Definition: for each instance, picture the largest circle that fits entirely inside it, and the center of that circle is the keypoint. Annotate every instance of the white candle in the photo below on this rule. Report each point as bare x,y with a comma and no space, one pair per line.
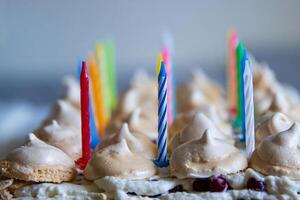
249,108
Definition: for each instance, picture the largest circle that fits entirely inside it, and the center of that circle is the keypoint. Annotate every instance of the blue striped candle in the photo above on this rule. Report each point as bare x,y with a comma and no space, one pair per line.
162,158
248,105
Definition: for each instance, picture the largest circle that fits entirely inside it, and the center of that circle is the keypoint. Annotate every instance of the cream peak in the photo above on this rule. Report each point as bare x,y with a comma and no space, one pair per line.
127,135
278,121
207,137
288,138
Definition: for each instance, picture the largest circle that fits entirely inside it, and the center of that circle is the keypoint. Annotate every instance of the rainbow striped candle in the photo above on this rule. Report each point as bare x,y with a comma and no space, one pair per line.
162,158
248,121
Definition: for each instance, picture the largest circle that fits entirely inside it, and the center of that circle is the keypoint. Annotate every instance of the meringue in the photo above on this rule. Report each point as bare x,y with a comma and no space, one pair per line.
137,107
205,157
65,114
278,154
38,161
66,138
200,91
271,123
137,143
72,91
195,129
140,121
182,119
141,93
118,160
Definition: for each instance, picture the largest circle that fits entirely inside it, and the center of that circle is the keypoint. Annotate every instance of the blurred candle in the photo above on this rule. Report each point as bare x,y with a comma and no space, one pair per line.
85,118
101,63
97,94
158,65
239,78
111,72
168,43
232,74
167,60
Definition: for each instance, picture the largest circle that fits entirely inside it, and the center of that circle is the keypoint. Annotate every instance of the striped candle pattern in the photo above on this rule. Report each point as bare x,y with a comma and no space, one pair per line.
162,159
248,107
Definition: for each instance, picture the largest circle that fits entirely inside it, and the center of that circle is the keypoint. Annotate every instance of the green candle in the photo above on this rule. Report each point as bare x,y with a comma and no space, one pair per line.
111,73
239,57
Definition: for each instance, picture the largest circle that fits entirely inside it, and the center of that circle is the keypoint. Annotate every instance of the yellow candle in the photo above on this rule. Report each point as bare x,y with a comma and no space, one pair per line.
97,93
159,60
102,66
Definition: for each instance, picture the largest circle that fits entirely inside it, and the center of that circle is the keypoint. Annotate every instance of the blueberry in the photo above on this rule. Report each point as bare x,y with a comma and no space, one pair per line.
219,184
256,185
132,193
155,196
202,184
177,188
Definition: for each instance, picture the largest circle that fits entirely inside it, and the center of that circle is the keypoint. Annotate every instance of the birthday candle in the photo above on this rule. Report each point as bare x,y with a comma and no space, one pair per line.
111,70
94,132
239,78
166,58
85,118
231,74
97,94
168,43
248,107
158,65
101,62
162,159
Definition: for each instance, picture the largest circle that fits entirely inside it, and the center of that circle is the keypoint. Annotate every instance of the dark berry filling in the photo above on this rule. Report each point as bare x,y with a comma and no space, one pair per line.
177,188
201,184
256,185
219,184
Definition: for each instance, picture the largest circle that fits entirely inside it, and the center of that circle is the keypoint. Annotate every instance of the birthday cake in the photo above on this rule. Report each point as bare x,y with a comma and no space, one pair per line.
204,156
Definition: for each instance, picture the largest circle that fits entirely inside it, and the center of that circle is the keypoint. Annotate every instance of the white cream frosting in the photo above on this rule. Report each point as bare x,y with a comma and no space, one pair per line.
118,160
137,143
66,138
72,90
279,154
195,129
206,156
271,123
36,153
112,184
59,191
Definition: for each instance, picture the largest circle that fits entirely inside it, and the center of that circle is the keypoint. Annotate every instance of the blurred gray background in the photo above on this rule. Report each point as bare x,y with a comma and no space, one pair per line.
40,42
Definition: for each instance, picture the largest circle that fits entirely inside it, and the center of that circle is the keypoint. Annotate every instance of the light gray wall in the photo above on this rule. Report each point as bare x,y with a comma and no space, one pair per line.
41,39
